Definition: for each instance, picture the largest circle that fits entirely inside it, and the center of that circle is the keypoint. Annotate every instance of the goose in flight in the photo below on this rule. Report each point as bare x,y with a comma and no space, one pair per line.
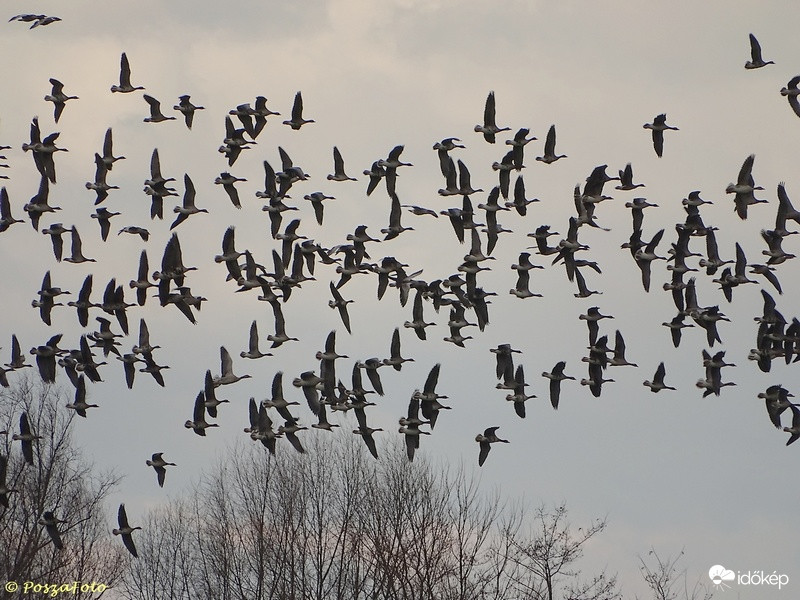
226,366
156,116
6,219
125,530
791,92
252,349
366,431
658,380
36,20
756,62
50,523
108,154
26,437
297,120
658,127
744,188
76,255
198,422
338,168
188,208
125,77
159,464
489,129
556,376
550,155
485,440
186,108
395,359
58,98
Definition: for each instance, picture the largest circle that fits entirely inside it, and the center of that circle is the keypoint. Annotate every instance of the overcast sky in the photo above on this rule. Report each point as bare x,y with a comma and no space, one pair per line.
671,471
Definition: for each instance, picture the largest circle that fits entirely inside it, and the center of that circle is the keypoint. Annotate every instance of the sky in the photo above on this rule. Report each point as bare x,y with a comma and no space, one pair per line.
672,471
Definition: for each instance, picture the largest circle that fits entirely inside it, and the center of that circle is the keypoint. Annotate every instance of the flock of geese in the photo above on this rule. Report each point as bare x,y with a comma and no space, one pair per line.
296,259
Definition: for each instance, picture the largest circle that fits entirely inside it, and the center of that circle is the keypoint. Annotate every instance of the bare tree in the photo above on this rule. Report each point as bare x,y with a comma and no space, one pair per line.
667,581
333,523
546,558
60,481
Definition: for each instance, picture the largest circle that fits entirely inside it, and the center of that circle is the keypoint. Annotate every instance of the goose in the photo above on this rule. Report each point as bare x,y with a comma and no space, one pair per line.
456,338
129,361
261,427
626,180
756,62
505,360
330,354
322,421
105,338
38,204
55,231
775,251
46,359
519,396
520,202
125,530
418,324
338,168
794,430
583,291
371,365
522,289
489,129
226,366
142,283
675,326
36,20
198,423
791,92
658,380
135,230
485,440
188,208
550,155
50,522
125,86
58,98
645,256
187,109
26,437
308,382
4,489
768,273
108,157
366,432
395,359
80,405
153,368
253,352
340,304
375,174
277,400
713,260
290,429
395,227
556,376
316,199
619,360
658,126
17,358
77,256
100,186
227,181
393,160
6,219
410,428
744,187
776,398
245,114
159,464
104,216
297,120
156,116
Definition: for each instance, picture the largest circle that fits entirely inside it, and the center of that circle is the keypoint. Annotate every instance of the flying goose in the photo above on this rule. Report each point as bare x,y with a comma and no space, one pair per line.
125,77
187,109
297,120
17,358
489,129
159,464
80,405
58,98
77,256
658,126
26,437
366,432
37,20
485,440
6,219
188,208
626,179
395,359
338,168
50,523
156,116
198,422
756,61
658,380
226,366
125,530
550,155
